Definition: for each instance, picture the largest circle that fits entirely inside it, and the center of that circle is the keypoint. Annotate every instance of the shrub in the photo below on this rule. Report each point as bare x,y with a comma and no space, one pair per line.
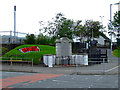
43,39
116,52
30,39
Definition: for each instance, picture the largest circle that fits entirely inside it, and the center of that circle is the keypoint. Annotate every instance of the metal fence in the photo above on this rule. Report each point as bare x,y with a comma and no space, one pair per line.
19,64
78,61
7,37
65,66
82,66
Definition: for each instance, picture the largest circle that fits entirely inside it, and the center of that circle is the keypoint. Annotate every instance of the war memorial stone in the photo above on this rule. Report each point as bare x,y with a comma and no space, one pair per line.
63,50
64,55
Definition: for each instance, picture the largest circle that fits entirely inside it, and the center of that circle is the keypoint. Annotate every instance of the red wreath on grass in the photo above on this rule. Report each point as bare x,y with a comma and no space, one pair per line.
29,49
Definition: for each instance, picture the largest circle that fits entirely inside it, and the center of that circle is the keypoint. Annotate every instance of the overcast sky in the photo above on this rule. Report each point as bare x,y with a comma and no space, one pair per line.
30,12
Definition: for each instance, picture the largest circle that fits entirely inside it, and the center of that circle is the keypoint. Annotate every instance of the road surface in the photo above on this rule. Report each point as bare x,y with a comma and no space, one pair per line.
38,80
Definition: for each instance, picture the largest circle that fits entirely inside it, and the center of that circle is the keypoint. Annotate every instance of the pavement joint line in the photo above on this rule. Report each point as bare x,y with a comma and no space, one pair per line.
112,69
97,75
59,81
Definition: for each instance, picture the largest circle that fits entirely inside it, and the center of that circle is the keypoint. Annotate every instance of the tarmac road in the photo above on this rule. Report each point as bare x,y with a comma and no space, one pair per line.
37,80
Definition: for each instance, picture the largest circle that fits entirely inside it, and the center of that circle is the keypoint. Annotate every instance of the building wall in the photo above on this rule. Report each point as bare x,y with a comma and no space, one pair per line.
100,40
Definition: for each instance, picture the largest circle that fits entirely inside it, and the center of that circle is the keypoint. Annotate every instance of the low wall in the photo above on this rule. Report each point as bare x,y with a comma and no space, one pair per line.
51,60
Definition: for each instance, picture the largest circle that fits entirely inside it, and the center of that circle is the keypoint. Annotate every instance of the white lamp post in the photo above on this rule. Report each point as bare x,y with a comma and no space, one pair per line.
111,19
14,24
119,6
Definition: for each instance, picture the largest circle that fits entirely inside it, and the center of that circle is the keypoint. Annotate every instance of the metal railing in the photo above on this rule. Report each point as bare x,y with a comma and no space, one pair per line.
68,65
7,37
93,66
19,64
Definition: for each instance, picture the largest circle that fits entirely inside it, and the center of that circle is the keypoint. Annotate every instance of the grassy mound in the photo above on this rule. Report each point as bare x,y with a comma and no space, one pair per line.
15,54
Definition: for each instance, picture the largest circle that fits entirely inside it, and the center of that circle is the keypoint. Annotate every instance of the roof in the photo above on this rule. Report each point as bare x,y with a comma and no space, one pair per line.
104,36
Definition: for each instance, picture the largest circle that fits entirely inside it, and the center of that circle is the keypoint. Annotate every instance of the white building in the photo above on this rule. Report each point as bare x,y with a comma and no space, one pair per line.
102,40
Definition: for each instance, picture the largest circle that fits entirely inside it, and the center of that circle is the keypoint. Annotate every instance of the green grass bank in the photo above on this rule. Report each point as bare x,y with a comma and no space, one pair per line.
16,54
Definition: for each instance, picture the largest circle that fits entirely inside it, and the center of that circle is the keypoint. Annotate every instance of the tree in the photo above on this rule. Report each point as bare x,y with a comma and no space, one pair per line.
91,29
61,27
52,26
65,29
116,22
114,26
79,30
43,39
30,39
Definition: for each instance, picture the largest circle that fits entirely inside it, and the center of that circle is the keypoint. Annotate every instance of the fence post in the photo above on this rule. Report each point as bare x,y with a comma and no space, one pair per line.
75,59
32,65
11,63
103,66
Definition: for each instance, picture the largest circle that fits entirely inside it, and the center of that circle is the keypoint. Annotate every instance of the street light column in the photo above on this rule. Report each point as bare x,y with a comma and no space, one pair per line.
110,24
111,18
119,7
14,24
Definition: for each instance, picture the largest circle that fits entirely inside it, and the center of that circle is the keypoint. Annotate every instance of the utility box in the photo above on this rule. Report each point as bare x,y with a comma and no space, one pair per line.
63,49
